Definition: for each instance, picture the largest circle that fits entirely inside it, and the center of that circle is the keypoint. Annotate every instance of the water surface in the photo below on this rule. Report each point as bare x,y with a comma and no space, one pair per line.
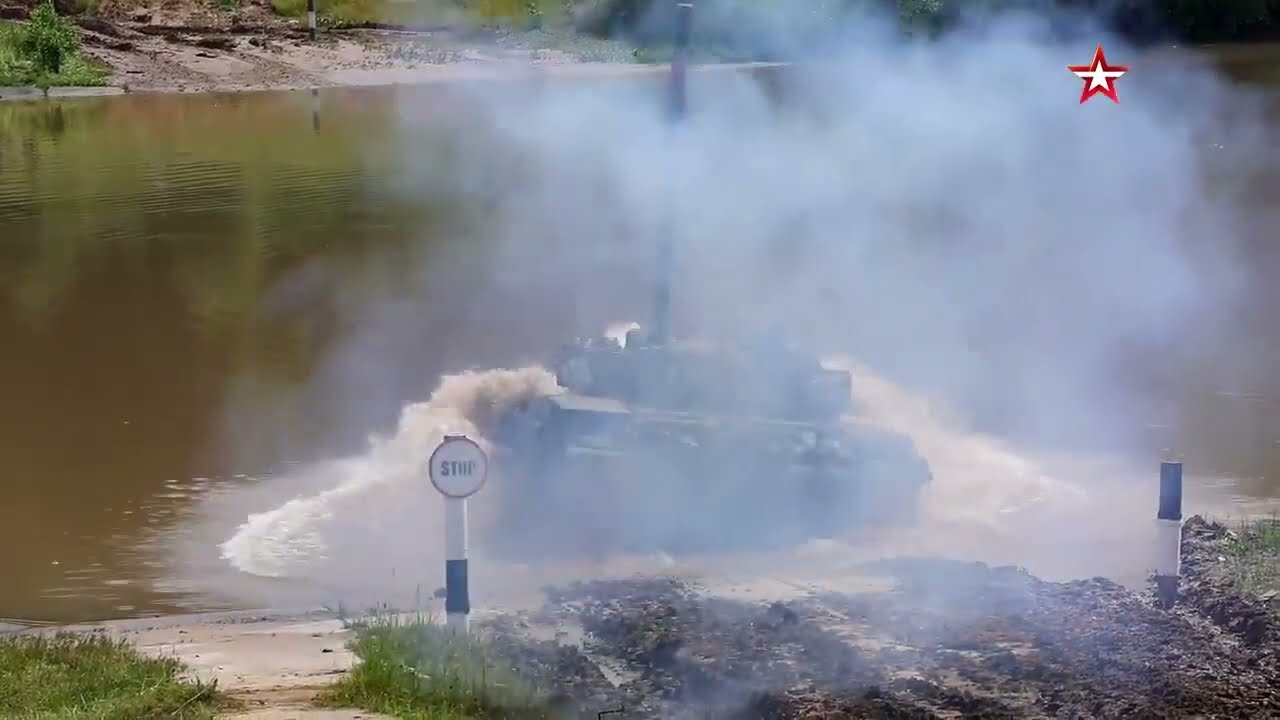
175,272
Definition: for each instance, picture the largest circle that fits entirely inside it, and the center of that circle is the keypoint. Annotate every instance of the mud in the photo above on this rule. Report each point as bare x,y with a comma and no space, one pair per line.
950,640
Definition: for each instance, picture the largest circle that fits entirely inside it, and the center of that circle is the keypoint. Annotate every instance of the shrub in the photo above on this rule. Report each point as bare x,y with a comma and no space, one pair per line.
49,40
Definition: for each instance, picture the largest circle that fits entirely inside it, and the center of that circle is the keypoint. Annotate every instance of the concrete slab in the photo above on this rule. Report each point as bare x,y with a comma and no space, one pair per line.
273,662
66,92
249,657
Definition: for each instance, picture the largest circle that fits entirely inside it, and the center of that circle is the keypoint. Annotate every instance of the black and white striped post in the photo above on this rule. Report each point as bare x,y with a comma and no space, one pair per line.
458,469
311,19
1169,533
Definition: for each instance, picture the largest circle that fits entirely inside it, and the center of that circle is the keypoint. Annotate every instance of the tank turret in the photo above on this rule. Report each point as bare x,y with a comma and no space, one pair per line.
748,379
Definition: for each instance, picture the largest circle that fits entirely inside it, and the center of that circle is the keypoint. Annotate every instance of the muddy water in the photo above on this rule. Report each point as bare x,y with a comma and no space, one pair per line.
177,273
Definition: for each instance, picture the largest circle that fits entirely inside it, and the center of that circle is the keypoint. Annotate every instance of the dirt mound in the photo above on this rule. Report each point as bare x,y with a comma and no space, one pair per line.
808,704
951,639
1207,587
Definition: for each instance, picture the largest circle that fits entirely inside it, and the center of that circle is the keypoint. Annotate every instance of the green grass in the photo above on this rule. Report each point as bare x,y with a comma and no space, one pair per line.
74,677
417,670
1255,555
19,66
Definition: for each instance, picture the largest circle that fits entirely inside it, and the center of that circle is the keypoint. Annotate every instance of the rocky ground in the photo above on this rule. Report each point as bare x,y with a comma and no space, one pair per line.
951,640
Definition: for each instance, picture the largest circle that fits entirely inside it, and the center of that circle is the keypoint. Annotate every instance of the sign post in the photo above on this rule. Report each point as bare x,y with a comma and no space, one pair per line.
1169,534
458,469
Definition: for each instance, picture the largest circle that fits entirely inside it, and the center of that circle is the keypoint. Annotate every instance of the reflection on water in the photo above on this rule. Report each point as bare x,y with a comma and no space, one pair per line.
141,241
173,271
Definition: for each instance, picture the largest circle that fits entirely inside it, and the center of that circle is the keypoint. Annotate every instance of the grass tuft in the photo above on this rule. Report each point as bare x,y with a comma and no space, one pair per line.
75,677
1255,555
415,669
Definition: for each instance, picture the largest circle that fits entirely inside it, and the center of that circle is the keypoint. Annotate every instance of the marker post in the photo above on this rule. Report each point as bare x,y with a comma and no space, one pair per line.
1169,534
458,469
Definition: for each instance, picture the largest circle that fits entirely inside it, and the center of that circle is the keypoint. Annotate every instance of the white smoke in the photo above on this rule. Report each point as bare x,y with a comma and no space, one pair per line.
945,212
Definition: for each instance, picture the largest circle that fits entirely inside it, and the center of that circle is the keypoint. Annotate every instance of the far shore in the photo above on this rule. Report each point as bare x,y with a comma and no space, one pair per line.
416,76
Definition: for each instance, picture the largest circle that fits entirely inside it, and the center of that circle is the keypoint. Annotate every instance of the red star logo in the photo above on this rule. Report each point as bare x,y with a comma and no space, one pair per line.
1099,77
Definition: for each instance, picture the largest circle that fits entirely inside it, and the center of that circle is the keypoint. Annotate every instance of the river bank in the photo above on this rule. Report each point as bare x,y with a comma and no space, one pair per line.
248,45
906,637
263,58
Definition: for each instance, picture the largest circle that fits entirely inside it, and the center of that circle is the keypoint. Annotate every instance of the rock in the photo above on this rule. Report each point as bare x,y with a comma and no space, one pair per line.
214,42
783,613
20,93
98,25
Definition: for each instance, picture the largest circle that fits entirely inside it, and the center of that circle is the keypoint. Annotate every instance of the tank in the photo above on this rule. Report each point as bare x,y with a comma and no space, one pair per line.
656,444
652,444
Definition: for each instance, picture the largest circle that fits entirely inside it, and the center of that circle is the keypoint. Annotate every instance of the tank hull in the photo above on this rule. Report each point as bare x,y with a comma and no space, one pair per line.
658,482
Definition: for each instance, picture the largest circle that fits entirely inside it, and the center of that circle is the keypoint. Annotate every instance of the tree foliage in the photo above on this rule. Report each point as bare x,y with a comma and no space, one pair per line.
738,21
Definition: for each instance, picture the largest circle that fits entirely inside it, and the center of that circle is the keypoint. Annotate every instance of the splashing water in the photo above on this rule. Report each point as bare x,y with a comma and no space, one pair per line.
377,497
978,481
378,507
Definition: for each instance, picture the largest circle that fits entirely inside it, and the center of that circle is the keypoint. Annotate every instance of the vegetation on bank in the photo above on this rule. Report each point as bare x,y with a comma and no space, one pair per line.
44,52
94,676
1254,554
417,670
750,28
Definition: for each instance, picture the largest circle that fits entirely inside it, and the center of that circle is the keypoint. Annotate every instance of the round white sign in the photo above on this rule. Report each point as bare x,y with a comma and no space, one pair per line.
458,467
